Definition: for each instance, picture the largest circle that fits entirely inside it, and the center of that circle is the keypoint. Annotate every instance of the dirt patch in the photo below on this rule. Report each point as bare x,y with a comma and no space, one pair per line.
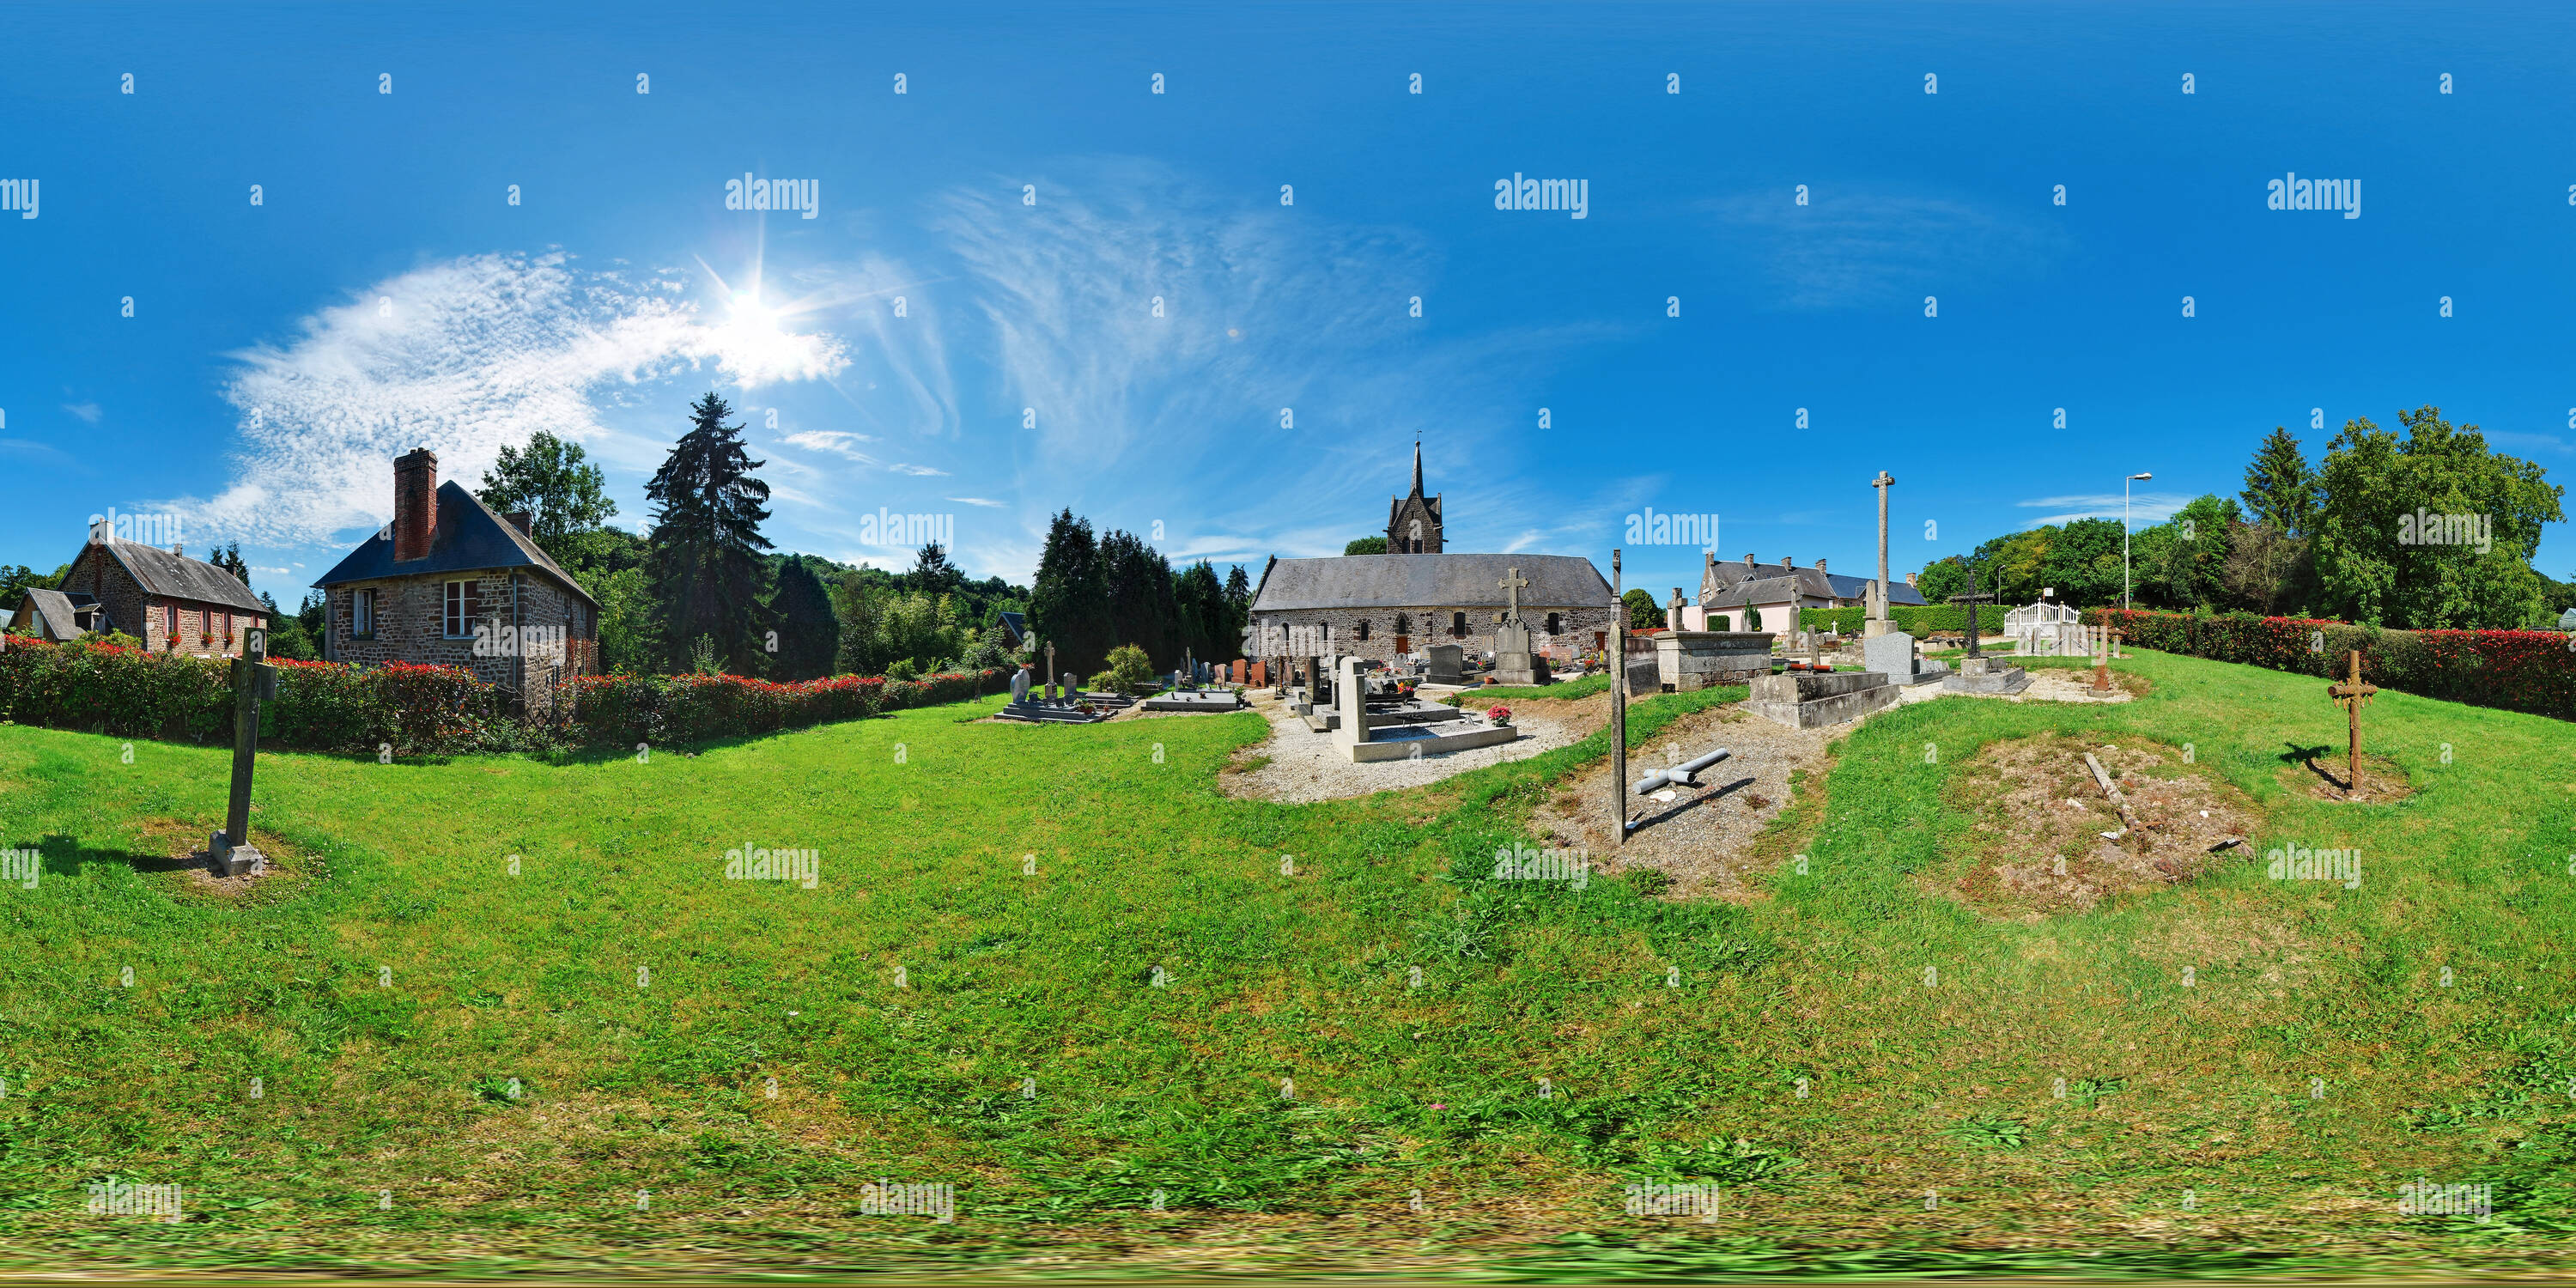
2321,773
2048,842
178,848
1703,837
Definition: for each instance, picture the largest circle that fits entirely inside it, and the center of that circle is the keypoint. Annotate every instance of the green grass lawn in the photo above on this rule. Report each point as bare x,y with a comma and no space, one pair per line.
969,996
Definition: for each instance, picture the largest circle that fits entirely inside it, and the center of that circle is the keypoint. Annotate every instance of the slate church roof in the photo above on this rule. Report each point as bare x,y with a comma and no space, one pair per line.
467,538
1428,581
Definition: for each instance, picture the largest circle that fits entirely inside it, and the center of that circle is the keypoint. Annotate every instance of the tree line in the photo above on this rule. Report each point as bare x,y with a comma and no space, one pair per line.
2338,539
1095,593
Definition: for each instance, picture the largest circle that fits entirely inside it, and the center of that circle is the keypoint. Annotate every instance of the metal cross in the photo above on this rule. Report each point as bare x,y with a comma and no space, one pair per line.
2352,694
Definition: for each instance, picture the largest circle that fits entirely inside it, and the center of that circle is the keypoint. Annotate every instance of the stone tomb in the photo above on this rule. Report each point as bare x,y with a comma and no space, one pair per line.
1357,733
1987,673
1195,700
1690,660
1809,699
1893,654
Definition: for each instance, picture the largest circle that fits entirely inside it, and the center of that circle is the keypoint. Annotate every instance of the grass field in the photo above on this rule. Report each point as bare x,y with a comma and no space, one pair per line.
489,1001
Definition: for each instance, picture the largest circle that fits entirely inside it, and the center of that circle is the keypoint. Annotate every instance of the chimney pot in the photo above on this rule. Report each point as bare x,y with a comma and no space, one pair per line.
415,504
179,550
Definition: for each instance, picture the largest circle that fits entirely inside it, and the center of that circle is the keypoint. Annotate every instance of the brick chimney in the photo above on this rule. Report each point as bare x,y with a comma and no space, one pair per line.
520,519
1820,565
415,504
1750,562
1909,579
177,549
1787,562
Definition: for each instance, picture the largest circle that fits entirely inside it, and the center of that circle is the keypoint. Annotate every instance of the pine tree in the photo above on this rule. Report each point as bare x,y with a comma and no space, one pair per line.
809,633
228,557
933,574
1069,600
706,566
2280,489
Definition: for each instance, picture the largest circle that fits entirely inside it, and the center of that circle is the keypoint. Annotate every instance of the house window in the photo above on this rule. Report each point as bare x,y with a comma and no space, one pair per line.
170,625
460,609
1363,630
362,613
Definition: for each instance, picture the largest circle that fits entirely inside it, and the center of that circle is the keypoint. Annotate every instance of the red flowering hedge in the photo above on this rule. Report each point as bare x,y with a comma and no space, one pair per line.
2532,671
425,710
421,710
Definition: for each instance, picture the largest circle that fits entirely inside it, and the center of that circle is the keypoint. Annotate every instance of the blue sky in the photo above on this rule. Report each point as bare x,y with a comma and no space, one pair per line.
384,294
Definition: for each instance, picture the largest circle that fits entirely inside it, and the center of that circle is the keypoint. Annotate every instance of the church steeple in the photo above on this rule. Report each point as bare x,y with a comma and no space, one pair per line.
1413,520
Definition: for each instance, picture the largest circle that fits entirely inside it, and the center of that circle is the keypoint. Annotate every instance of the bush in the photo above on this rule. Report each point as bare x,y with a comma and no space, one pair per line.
1917,620
2533,671
1133,671
422,710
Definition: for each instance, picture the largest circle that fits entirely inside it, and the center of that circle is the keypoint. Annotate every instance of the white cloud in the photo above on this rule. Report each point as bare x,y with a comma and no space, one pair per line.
1863,247
462,356
87,411
918,471
833,441
980,500
2143,507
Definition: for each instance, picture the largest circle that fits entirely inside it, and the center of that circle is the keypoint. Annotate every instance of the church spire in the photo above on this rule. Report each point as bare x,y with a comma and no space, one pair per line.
1417,467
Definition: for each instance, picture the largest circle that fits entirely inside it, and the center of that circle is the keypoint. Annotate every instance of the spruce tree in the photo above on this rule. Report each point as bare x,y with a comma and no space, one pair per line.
2280,489
706,564
1069,601
809,633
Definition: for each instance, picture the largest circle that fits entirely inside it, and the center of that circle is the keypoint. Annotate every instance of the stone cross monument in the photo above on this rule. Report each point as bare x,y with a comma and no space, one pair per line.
1878,619
1050,675
1673,611
1513,663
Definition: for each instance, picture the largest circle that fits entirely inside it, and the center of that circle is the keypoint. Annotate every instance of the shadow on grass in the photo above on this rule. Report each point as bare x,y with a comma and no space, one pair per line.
2314,759
66,856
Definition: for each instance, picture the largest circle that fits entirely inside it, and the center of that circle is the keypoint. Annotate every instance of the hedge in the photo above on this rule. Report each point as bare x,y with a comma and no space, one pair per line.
421,710
2533,671
1909,618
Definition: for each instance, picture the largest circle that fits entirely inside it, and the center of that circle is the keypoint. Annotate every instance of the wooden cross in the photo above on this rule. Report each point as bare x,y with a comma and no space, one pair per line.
2352,694
253,681
1511,583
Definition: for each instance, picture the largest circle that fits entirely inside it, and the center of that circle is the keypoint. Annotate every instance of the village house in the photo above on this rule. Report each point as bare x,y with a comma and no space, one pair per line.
450,583
174,604
1750,595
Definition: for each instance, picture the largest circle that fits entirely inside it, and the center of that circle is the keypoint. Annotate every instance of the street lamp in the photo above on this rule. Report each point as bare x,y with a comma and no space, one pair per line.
2124,535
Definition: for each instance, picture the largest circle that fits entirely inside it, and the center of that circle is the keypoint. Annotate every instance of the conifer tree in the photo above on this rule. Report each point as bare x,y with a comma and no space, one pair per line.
705,561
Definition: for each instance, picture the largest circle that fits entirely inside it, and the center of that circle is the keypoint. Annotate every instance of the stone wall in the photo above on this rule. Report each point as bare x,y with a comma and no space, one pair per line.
1575,634
411,626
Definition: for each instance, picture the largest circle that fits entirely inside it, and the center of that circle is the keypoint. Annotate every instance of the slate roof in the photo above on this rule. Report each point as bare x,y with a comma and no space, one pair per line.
167,576
468,538
1824,585
54,613
1015,625
1766,590
1428,581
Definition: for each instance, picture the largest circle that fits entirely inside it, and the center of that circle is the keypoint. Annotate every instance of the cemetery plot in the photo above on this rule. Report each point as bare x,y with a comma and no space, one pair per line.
2049,840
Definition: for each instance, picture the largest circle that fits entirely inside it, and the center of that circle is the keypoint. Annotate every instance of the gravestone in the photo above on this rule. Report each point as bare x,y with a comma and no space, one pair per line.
1807,699
1070,692
1020,687
1893,655
1352,705
2567,620
1447,664
1514,662
1686,661
1050,680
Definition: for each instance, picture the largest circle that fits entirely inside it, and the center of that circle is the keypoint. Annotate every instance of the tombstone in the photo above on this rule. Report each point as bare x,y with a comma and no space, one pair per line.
2567,620
1513,660
1893,655
1050,680
1352,705
1070,692
1447,664
1686,661
1020,687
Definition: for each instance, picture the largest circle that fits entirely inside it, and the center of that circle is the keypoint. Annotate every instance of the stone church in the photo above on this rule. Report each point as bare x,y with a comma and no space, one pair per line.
1401,603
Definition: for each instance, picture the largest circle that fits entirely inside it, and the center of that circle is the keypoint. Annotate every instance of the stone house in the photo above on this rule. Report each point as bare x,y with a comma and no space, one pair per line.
173,603
1752,595
450,583
1386,606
